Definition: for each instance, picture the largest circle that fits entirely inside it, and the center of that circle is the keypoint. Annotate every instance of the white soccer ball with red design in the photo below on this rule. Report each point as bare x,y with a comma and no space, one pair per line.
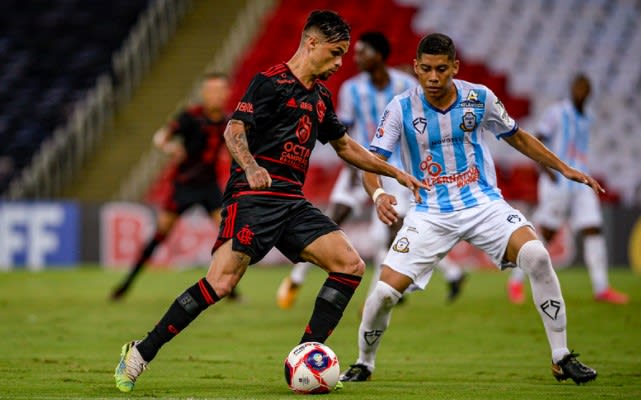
311,368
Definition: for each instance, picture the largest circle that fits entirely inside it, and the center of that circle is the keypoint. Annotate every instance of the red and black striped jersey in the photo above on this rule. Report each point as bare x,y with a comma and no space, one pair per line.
203,140
284,120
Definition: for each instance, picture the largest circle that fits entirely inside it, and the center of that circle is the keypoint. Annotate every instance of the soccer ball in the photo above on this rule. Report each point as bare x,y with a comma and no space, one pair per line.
311,368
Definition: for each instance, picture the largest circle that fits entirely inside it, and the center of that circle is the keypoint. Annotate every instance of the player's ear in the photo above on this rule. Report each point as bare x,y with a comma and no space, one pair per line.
455,67
416,66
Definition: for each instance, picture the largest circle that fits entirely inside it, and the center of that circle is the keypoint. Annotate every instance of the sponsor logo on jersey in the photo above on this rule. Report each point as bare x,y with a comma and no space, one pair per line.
304,129
295,155
306,106
291,103
402,245
244,106
469,122
320,110
434,177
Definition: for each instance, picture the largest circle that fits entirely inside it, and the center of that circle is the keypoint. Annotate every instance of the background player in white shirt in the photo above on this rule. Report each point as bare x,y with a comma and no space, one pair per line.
565,129
361,101
441,127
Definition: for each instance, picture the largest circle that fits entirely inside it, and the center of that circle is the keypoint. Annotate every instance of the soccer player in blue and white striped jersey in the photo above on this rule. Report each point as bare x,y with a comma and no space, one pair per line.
440,127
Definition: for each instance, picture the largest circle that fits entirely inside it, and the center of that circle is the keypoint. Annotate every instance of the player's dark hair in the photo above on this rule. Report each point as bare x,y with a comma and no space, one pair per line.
378,42
436,44
214,75
330,24
580,77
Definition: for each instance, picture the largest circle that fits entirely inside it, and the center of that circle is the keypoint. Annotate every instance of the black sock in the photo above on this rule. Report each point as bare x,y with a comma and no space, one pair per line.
180,314
142,259
331,301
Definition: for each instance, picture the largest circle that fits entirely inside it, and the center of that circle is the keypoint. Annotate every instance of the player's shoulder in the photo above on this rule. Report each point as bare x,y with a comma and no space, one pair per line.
472,90
398,75
194,111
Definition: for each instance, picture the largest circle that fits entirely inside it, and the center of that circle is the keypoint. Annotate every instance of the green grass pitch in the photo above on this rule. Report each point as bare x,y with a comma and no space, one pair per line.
60,339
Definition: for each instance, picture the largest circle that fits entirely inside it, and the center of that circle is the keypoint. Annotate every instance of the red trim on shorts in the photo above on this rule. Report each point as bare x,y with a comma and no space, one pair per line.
230,221
266,193
205,293
353,283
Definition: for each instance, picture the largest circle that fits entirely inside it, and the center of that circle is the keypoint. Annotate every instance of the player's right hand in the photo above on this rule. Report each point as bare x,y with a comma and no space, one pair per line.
578,176
258,177
384,204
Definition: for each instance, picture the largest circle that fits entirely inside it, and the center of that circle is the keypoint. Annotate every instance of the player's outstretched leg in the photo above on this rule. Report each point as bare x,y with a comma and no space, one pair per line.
376,317
534,260
122,289
454,275
136,355
289,287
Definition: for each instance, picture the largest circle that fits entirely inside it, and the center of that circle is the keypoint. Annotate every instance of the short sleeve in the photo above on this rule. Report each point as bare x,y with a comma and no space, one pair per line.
330,127
258,99
497,120
345,110
389,130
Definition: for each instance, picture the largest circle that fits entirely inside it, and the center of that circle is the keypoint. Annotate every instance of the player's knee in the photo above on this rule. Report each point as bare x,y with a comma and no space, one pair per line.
385,295
534,260
354,266
222,287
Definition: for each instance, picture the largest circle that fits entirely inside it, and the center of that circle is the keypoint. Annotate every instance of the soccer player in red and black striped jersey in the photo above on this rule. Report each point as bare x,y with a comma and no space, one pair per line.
195,141
271,136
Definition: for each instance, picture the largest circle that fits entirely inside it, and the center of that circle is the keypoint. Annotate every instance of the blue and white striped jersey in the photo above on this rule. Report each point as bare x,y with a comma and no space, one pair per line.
361,104
446,148
566,132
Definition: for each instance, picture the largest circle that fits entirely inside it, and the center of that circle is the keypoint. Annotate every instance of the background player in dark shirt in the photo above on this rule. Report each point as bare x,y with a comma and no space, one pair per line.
194,139
271,136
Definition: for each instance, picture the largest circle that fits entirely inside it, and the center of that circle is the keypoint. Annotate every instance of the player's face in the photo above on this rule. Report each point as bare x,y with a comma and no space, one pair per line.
215,93
327,58
365,56
580,91
435,73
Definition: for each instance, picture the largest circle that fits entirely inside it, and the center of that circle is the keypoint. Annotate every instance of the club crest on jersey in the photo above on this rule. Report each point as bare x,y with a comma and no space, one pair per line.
304,129
469,122
320,110
402,245
420,124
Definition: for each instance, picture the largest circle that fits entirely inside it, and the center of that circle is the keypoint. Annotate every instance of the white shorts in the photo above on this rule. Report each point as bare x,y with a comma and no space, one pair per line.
564,200
348,191
425,237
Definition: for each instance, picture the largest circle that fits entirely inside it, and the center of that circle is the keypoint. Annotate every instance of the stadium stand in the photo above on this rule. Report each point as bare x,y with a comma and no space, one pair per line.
50,54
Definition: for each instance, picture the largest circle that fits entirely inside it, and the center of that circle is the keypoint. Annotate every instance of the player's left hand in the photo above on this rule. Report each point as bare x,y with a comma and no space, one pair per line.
412,184
384,204
578,176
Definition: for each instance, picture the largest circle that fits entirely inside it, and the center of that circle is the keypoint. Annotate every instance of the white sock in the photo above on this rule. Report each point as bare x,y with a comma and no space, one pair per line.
299,272
451,270
534,260
376,270
376,317
596,259
517,275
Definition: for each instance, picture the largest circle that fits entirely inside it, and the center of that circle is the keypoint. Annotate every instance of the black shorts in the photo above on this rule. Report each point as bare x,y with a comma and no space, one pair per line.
255,224
182,196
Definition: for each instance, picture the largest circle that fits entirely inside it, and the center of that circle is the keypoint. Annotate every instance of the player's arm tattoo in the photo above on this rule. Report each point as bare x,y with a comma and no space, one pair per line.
236,141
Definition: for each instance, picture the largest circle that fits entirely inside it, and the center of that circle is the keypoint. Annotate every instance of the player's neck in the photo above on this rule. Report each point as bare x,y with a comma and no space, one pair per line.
298,66
442,101
215,114
380,77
